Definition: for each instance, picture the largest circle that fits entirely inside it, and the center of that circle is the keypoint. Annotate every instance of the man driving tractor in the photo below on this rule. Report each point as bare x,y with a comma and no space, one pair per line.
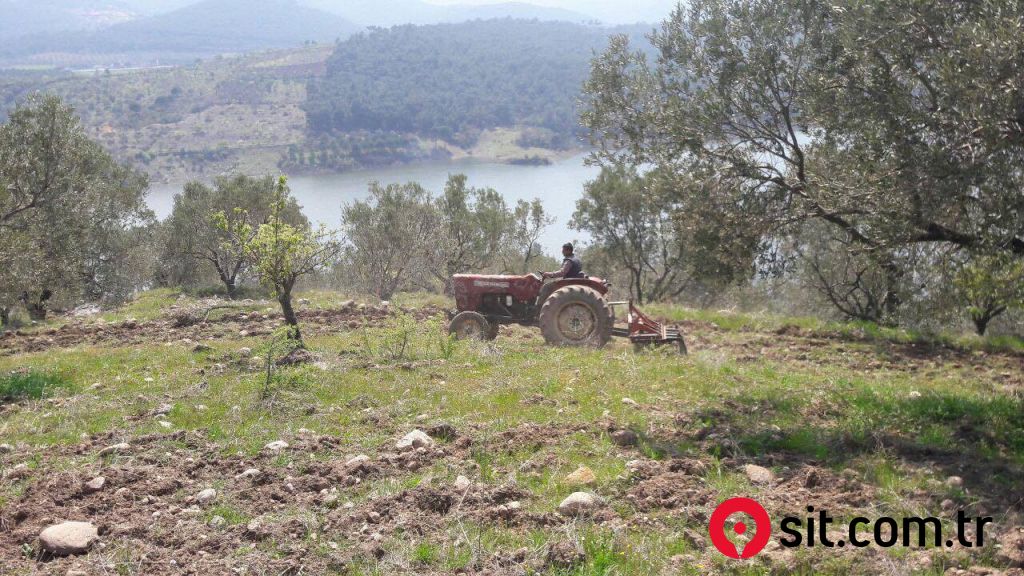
572,311
571,266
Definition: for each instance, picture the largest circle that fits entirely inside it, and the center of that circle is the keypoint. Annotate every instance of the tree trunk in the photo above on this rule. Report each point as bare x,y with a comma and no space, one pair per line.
981,324
231,287
36,308
982,319
5,316
891,302
637,283
285,299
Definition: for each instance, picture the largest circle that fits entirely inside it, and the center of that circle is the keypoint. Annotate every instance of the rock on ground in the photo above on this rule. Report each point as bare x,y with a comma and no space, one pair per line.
583,476
579,504
356,461
95,485
276,445
68,538
116,448
249,473
462,483
206,496
415,439
758,474
625,438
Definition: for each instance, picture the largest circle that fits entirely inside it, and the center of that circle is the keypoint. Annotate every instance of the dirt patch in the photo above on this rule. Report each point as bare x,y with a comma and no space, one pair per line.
78,332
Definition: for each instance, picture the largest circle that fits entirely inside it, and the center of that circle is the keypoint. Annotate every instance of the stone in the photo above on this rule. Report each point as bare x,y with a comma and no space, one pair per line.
163,409
276,445
330,497
165,424
95,485
443,431
116,449
629,401
625,438
462,483
245,352
955,482
583,476
250,473
580,504
217,522
415,439
358,461
68,538
202,348
206,496
124,493
6,448
948,505
758,474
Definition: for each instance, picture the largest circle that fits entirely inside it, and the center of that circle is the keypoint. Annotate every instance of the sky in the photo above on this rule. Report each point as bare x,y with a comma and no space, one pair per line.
611,11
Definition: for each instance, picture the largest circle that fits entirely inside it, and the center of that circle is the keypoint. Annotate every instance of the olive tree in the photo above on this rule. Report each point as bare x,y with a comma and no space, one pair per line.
893,123
193,238
387,237
280,253
989,285
522,251
76,213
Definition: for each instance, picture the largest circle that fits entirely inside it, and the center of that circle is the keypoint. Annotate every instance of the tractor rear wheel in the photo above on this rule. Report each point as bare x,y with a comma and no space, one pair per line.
471,325
576,316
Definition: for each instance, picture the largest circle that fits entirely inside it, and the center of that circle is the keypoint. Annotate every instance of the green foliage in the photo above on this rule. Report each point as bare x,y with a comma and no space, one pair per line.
349,151
451,81
280,253
894,124
656,229
29,385
386,235
73,222
195,240
426,554
393,342
279,344
991,284
403,237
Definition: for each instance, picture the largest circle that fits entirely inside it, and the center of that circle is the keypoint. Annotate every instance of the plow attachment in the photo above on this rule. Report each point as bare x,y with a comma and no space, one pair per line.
642,331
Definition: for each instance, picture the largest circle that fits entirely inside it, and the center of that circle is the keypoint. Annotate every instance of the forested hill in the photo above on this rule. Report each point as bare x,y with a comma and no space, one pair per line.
450,81
203,29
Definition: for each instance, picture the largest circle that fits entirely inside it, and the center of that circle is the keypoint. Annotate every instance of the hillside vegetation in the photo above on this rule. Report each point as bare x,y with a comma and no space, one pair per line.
191,121
370,101
453,81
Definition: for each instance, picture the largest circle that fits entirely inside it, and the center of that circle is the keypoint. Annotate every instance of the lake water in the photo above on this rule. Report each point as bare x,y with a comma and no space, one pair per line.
558,186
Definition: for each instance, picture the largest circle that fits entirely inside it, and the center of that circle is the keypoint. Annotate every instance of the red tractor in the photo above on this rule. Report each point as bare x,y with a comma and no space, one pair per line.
570,311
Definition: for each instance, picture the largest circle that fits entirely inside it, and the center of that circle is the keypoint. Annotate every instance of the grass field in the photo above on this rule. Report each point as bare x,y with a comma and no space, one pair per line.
850,419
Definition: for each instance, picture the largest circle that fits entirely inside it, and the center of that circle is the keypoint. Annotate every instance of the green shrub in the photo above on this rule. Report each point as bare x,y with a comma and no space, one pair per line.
18,386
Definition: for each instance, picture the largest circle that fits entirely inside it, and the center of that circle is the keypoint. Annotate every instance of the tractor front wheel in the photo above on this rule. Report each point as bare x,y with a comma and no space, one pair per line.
471,325
576,316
